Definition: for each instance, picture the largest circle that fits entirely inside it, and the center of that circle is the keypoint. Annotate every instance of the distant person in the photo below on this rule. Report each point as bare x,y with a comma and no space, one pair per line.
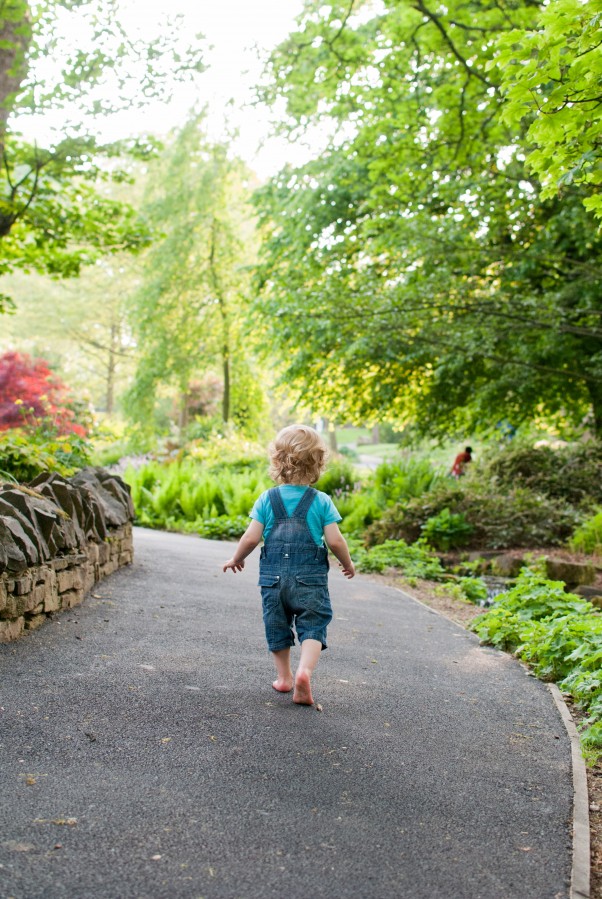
295,521
461,461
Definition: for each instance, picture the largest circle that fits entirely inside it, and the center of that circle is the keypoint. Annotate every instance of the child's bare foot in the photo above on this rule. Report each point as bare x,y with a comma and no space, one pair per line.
302,694
283,684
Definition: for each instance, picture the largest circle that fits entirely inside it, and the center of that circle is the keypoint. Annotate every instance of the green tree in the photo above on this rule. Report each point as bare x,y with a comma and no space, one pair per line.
53,217
80,325
188,315
552,76
411,271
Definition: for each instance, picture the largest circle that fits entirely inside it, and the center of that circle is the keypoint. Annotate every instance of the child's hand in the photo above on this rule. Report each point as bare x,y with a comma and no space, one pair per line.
347,570
235,566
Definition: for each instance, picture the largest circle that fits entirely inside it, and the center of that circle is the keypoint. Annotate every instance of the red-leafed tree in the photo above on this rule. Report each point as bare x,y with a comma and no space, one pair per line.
31,394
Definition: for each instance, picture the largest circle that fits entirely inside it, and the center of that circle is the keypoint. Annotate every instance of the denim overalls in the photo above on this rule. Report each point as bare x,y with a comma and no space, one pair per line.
293,576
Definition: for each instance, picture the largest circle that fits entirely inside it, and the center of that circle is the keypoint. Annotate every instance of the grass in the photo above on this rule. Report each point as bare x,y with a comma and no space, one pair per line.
384,451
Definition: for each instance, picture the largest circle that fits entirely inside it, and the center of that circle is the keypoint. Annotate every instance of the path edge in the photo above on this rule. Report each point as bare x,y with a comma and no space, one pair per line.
580,869
580,875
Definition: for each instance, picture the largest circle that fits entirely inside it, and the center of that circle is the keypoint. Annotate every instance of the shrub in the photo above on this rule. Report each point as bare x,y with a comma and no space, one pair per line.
447,530
516,518
469,589
349,453
109,455
570,473
223,527
394,482
533,598
24,455
32,396
363,504
340,478
474,589
234,452
588,536
559,635
416,560
190,493
215,485
359,511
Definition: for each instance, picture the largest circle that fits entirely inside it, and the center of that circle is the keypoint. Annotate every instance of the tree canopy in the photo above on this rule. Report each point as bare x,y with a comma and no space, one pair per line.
551,75
54,215
414,271
79,325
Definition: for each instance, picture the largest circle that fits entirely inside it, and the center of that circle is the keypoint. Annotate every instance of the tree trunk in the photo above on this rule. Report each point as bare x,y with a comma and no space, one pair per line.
332,435
226,396
15,38
224,312
595,393
183,417
111,367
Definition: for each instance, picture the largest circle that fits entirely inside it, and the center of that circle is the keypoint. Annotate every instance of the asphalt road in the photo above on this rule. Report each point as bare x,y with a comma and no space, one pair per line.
144,754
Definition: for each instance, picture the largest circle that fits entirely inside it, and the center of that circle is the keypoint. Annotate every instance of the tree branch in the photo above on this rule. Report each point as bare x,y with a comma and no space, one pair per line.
421,6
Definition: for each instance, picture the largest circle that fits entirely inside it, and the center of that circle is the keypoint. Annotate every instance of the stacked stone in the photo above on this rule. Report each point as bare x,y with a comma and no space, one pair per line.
58,536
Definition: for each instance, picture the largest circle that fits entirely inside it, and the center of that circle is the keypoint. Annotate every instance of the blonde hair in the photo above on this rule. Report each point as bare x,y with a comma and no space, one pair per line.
298,455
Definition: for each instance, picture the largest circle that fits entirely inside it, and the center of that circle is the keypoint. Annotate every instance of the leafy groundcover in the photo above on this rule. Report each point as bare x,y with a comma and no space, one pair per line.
560,636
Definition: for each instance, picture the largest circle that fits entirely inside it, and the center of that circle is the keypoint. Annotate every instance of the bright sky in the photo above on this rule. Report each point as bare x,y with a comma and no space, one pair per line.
236,31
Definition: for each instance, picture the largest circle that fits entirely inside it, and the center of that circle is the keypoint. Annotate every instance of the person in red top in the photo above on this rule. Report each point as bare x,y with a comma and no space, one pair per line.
460,463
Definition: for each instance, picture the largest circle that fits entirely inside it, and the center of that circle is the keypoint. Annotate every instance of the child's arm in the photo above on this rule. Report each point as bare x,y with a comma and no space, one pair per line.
247,543
338,547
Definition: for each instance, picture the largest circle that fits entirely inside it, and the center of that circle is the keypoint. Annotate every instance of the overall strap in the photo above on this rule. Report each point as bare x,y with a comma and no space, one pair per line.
277,505
304,503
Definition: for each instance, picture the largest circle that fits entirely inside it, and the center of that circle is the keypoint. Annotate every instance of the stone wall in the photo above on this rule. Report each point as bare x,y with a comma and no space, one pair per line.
58,537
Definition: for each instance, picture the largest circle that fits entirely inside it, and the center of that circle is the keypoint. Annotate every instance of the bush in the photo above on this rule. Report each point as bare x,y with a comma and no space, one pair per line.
559,635
516,518
394,482
447,530
519,497
588,536
188,493
223,527
474,589
363,504
468,589
213,487
359,511
339,479
33,397
233,452
416,561
23,455
570,473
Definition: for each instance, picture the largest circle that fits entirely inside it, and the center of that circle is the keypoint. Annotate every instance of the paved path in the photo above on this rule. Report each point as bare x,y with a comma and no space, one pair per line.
143,753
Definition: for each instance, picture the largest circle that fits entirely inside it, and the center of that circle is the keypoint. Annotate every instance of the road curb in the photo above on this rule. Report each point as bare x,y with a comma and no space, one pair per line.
580,876
580,872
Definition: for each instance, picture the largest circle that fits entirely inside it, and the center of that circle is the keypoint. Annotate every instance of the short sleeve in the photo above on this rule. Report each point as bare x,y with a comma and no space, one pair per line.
330,511
258,512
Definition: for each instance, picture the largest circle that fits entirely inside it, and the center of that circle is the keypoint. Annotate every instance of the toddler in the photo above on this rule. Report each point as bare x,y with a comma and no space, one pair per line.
295,521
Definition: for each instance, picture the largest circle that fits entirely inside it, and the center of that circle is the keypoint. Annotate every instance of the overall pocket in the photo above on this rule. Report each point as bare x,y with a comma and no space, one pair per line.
311,591
270,590
268,580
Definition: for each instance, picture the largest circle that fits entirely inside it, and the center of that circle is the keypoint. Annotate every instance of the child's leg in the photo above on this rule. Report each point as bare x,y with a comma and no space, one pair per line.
310,653
282,661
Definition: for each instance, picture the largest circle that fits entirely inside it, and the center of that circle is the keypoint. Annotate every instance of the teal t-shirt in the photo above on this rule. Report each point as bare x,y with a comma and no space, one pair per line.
321,512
